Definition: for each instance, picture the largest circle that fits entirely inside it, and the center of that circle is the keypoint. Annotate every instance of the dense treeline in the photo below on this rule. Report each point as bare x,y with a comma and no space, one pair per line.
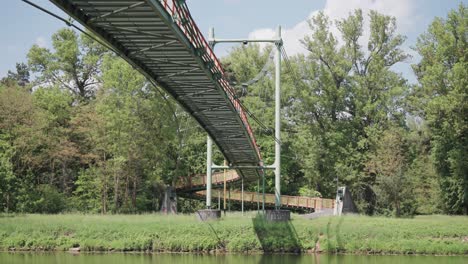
90,133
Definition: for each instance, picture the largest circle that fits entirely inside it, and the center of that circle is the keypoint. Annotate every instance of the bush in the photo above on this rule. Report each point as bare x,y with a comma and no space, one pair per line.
44,199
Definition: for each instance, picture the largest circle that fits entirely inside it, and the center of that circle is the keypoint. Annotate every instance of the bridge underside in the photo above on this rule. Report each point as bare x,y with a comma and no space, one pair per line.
194,187
160,39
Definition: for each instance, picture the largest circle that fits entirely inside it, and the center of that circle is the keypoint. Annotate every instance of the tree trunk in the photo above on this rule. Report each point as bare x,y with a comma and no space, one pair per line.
116,191
134,191
397,207
126,189
104,186
7,202
64,178
104,195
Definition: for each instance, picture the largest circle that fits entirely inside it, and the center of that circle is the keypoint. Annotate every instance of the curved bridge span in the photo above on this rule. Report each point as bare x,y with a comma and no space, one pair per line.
161,40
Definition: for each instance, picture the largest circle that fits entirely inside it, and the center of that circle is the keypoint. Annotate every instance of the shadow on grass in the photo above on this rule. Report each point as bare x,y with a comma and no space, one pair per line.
276,236
336,235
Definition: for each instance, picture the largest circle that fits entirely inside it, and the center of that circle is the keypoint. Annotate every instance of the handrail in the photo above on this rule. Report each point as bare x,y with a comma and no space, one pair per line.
198,180
181,15
286,200
182,18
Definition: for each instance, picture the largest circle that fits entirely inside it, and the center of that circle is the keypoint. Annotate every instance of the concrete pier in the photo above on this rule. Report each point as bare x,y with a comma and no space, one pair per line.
278,215
208,214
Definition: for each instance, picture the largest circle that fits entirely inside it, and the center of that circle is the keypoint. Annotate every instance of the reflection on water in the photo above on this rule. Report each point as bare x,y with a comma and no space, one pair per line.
117,258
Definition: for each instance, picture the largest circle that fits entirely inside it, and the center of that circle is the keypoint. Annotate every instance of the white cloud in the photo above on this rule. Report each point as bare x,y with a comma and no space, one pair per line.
402,10
41,42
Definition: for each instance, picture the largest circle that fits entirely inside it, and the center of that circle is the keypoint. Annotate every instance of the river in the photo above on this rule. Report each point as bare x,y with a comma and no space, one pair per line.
120,258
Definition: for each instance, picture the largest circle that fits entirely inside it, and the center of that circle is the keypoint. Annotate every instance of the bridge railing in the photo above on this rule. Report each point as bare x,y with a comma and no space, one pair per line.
286,200
181,15
199,180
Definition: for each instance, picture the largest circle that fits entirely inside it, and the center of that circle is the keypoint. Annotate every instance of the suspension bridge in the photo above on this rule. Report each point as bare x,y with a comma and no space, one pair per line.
194,186
162,41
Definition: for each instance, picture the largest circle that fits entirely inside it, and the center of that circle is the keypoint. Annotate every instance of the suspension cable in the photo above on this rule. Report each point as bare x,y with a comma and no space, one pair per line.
70,24
262,72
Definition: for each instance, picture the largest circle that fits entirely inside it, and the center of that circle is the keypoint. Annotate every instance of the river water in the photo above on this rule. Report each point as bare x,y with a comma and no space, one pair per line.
118,258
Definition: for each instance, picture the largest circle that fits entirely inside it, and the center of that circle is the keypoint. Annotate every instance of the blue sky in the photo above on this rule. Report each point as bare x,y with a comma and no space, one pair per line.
23,26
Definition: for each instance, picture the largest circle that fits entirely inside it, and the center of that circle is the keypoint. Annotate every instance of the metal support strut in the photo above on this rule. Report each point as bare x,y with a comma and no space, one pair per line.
277,163
278,121
209,162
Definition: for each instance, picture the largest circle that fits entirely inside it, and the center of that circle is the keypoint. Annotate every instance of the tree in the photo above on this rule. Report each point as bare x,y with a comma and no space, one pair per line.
88,195
442,102
349,95
60,154
389,163
20,135
421,169
20,77
7,177
73,65
135,137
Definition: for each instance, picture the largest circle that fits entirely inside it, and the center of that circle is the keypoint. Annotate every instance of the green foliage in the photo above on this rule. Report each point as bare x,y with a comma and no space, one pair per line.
348,98
57,104
138,132
389,164
20,77
304,191
7,176
442,97
86,196
42,198
95,136
49,200
74,64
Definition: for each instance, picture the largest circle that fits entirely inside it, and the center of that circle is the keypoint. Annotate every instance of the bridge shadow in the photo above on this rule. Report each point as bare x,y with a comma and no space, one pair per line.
276,236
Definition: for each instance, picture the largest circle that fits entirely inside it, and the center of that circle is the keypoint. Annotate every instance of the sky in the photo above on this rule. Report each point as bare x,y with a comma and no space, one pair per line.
23,26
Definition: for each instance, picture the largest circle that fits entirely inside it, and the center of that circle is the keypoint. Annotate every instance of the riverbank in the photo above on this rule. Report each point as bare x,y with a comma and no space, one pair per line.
441,235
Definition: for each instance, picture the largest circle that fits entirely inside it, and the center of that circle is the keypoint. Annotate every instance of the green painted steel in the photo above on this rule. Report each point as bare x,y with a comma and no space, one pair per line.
161,40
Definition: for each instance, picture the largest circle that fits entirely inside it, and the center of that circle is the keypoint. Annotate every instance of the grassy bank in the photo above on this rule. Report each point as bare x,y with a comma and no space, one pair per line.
350,234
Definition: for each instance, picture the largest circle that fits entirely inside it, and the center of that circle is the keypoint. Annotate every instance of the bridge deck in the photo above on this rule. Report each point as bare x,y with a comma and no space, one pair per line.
301,202
161,40
194,186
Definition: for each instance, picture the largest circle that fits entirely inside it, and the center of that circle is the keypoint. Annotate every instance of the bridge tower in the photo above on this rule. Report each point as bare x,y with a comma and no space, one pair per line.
277,214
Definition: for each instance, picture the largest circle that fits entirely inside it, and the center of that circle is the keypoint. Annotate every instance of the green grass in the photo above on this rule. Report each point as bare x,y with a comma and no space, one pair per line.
183,233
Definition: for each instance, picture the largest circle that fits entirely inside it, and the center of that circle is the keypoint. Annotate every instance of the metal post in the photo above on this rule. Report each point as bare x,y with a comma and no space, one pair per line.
258,196
219,200
211,36
263,200
224,195
209,155
277,163
229,205
278,121
242,195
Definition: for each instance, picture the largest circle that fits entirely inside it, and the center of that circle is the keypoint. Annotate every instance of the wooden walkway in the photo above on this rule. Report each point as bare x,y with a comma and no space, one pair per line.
194,186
